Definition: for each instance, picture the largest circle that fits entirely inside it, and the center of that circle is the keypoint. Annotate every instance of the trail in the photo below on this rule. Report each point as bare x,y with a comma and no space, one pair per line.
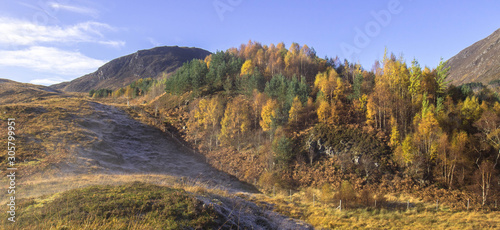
126,146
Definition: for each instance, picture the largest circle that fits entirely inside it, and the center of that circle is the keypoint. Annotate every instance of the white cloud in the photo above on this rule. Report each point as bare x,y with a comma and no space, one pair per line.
115,44
19,32
74,9
46,81
153,41
50,60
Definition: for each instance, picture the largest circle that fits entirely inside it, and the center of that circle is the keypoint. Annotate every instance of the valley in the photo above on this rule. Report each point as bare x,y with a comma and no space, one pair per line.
238,140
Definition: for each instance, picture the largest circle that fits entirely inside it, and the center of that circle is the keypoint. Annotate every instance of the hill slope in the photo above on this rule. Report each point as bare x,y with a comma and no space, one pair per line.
142,64
13,92
479,62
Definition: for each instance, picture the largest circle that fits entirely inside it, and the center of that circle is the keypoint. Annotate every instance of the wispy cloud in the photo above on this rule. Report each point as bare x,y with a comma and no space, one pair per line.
50,60
19,32
116,44
47,81
74,9
153,41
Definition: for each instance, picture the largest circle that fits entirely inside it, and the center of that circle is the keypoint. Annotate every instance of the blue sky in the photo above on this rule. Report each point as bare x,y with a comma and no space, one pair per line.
49,41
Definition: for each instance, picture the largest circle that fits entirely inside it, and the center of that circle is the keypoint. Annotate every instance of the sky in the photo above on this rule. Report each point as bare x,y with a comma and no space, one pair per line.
51,41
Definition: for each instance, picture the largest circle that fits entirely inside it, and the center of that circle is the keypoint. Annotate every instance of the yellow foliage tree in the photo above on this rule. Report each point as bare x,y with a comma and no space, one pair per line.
268,114
394,141
247,68
471,110
428,133
236,121
207,60
295,110
408,150
326,82
214,112
208,112
200,113
129,92
323,111
371,112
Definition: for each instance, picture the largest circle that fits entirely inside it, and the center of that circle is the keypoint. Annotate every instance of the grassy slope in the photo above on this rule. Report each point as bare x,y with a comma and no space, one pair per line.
129,206
46,132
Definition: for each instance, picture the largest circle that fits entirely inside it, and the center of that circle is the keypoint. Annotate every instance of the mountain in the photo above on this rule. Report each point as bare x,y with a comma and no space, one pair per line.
142,64
14,92
479,62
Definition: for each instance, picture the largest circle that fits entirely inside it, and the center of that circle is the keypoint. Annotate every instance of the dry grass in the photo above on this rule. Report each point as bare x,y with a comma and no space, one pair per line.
46,132
40,185
421,215
126,206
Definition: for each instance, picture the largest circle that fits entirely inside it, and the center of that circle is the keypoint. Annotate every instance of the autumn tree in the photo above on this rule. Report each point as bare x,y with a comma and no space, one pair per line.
326,82
441,75
247,68
295,110
451,154
207,115
338,103
258,101
394,141
414,87
486,176
406,152
236,122
470,111
324,111
269,115
426,137
489,125
429,84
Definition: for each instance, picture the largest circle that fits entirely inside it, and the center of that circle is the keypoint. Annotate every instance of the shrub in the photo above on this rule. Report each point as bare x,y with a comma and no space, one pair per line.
346,193
327,193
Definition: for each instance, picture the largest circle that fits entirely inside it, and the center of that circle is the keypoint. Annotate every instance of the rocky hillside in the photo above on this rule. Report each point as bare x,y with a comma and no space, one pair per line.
142,64
479,62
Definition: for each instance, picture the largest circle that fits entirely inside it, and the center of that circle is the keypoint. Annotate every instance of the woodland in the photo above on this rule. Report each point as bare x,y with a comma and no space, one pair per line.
278,117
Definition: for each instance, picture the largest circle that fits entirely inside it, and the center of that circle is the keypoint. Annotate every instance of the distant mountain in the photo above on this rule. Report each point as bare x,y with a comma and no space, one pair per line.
479,62
15,92
142,64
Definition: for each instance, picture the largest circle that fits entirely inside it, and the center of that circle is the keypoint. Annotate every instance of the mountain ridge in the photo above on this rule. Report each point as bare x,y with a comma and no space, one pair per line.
480,62
119,72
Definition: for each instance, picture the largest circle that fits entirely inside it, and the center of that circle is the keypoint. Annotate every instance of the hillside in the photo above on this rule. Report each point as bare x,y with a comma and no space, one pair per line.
11,91
142,64
66,142
479,62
